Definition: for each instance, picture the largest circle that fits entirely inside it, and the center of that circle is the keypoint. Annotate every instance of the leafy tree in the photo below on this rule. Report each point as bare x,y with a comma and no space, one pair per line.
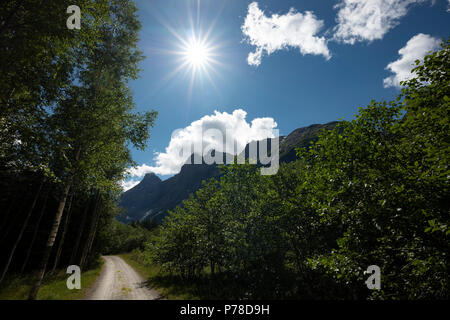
384,178
37,64
93,123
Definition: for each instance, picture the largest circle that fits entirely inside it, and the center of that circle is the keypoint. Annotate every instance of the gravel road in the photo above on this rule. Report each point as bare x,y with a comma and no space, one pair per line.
118,281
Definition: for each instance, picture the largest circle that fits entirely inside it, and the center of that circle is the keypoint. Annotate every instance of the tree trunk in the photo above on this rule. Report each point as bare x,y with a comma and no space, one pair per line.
90,239
36,229
95,232
63,234
51,240
79,235
19,237
53,232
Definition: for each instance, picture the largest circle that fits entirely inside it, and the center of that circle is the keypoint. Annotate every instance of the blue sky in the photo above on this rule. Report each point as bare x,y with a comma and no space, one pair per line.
295,86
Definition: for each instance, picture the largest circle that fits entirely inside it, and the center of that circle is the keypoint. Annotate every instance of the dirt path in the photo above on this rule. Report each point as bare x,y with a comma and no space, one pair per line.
118,281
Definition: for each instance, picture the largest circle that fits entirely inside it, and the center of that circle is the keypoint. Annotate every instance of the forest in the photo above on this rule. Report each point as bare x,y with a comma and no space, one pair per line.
67,123
371,191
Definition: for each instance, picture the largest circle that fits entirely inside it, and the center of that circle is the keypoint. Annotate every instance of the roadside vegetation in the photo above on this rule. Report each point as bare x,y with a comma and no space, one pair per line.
169,286
54,286
118,238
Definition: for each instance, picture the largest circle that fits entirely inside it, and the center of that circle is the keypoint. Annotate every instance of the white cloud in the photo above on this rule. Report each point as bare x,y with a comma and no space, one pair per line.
416,48
278,32
140,171
235,124
127,185
368,20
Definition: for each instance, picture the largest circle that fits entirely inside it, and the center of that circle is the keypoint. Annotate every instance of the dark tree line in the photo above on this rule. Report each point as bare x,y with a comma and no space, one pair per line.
66,124
27,221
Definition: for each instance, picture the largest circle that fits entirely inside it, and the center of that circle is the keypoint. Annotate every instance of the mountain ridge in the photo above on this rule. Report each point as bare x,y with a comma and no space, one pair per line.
153,197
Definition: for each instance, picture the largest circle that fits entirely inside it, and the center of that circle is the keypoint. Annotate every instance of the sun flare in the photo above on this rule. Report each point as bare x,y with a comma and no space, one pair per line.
197,58
197,54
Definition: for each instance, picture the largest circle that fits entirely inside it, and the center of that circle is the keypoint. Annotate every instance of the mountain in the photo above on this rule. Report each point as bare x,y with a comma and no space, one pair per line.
141,197
151,198
301,138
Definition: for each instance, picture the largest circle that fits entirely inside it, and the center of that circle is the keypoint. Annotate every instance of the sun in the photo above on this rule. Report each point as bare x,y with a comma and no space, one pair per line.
197,51
197,58
197,54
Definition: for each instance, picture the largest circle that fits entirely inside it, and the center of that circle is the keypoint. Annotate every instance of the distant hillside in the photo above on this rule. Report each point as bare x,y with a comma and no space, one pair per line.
151,198
142,197
300,138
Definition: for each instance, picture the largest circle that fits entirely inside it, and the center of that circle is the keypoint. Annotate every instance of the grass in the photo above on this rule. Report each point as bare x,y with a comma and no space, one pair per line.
53,288
173,287
170,287
223,286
